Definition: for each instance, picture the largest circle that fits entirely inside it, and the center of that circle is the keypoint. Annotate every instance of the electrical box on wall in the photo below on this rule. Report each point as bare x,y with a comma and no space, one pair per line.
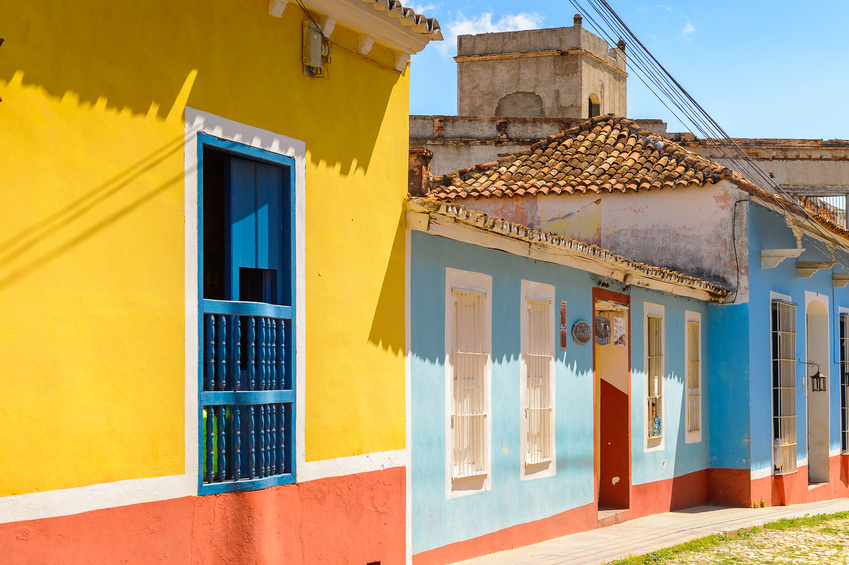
316,53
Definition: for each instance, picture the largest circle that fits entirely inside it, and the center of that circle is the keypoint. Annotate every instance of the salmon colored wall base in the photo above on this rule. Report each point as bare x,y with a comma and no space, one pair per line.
354,519
572,521
730,487
692,489
779,490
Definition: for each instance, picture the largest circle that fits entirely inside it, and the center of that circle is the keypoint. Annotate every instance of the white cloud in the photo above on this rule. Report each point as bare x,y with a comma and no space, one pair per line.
688,29
484,24
428,10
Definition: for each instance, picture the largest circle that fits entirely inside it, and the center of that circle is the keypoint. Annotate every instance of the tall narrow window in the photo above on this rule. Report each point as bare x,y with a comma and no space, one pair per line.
844,381
694,377
468,339
784,386
247,388
654,374
537,392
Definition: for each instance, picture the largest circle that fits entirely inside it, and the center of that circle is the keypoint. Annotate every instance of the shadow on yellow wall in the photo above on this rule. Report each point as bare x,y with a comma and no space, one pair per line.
65,229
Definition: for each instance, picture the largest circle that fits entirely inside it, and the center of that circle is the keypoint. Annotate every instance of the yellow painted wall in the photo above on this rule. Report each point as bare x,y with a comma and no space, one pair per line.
91,228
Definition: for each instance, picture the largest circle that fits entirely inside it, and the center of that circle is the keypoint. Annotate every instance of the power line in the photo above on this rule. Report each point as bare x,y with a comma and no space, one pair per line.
689,112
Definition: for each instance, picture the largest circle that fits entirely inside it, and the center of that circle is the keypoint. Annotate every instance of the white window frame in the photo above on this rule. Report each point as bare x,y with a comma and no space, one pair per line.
693,318
545,293
777,297
651,310
479,283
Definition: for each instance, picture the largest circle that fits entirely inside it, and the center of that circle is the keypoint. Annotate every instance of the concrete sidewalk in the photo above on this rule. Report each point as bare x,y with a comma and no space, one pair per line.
650,533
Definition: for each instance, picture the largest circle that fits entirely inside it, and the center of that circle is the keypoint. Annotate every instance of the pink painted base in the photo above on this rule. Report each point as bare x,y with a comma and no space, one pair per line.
733,487
572,521
355,519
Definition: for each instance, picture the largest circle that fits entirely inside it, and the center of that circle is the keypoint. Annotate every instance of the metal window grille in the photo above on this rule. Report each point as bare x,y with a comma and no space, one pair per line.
844,381
469,357
538,354
654,363
784,386
694,380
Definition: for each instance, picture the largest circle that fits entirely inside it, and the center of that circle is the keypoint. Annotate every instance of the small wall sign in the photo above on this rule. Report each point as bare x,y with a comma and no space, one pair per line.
602,330
619,331
564,329
581,333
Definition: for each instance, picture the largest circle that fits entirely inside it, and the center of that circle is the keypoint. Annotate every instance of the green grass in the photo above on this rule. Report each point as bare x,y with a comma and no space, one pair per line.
710,542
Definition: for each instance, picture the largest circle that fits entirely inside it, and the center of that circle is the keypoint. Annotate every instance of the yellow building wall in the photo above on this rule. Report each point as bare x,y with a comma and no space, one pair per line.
92,259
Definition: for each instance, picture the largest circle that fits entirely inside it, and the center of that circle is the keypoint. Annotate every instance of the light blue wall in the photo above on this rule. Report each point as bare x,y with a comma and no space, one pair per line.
728,383
439,521
677,457
768,230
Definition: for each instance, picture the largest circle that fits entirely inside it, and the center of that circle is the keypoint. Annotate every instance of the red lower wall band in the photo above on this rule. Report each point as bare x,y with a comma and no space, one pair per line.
355,519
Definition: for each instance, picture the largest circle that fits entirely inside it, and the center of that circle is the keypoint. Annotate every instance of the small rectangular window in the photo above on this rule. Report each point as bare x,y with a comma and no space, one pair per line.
537,368
784,386
694,377
654,371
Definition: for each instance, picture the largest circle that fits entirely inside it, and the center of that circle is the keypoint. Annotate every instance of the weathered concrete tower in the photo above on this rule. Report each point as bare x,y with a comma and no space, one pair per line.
564,72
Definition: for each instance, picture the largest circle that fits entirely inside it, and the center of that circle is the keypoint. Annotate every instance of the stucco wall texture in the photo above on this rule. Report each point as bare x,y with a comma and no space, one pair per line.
92,261
539,73
304,523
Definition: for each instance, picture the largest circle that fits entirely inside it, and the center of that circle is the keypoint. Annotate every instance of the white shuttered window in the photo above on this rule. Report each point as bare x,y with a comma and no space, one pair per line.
654,352
468,348
537,378
784,386
469,358
694,376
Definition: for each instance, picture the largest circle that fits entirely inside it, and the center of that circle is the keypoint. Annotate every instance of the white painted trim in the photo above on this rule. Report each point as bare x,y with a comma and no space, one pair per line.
842,310
693,437
778,296
341,466
544,291
481,283
362,17
408,393
823,300
760,474
50,504
655,311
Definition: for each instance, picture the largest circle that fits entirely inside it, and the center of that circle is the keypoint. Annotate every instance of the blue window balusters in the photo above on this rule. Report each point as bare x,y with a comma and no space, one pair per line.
247,381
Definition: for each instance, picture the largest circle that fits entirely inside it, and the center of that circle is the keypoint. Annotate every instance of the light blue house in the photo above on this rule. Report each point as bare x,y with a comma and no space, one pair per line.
535,361
714,376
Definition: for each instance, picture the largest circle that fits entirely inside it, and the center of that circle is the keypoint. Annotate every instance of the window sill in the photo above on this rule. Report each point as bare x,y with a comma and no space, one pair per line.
246,485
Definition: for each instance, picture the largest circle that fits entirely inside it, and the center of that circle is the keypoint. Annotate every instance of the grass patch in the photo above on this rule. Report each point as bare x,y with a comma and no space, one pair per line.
804,521
694,546
708,543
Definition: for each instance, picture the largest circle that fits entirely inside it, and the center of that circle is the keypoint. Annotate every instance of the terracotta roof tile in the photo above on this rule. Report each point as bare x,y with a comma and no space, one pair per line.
606,153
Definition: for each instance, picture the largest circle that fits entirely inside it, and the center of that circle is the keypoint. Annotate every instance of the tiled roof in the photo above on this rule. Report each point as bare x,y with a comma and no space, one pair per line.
565,245
407,17
604,154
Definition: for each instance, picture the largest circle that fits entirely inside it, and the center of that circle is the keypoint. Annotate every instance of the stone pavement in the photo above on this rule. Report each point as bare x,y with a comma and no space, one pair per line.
650,533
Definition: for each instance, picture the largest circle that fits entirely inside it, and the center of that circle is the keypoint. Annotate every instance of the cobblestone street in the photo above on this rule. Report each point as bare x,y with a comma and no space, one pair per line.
827,542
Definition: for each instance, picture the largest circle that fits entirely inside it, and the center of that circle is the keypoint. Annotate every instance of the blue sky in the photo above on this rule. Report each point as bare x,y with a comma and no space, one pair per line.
761,69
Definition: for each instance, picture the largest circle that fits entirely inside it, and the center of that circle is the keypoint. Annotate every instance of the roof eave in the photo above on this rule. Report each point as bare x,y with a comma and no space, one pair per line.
455,222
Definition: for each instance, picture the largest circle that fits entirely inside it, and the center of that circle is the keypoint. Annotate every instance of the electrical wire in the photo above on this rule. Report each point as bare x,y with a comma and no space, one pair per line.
689,112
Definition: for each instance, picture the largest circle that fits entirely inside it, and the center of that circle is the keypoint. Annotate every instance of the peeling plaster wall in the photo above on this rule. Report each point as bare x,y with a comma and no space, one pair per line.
686,229
492,66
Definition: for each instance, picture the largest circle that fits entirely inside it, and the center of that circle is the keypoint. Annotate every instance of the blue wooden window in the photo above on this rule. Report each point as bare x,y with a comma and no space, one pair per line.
246,409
